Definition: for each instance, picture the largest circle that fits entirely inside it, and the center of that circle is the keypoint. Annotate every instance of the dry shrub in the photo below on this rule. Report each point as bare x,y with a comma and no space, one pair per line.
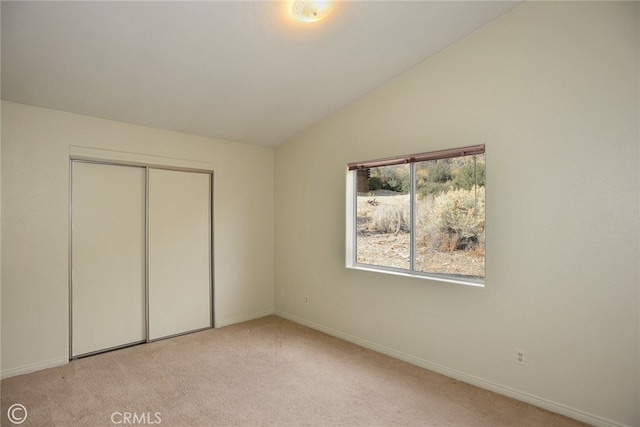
454,220
392,216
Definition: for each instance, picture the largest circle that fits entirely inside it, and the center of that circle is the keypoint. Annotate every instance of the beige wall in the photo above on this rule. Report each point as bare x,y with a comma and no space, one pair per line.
35,223
552,89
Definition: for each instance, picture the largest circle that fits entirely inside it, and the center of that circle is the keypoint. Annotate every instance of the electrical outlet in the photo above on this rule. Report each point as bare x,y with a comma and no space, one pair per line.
306,300
520,357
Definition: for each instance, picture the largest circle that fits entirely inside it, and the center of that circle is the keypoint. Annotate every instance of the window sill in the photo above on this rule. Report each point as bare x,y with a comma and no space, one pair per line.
478,283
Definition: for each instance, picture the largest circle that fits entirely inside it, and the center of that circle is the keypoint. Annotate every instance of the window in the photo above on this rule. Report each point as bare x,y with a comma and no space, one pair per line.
420,215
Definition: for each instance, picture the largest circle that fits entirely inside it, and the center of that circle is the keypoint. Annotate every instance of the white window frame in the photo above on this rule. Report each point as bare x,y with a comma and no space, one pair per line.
351,215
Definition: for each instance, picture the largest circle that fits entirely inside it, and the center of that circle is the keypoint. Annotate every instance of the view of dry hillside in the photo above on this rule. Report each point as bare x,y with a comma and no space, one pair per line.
392,249
449,224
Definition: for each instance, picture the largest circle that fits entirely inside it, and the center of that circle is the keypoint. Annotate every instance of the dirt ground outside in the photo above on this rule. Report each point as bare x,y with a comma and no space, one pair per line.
393,249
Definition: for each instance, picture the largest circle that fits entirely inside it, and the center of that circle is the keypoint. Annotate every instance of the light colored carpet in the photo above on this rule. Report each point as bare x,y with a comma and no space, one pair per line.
264,372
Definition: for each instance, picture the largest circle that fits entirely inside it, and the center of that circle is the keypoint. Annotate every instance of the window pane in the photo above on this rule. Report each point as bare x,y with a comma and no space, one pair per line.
450,235
383,217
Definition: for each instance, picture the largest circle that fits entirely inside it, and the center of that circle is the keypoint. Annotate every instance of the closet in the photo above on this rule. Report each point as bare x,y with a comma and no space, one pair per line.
141,254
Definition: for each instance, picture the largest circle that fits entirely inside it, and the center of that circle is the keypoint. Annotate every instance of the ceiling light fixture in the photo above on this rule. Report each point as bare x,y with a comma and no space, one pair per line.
312,10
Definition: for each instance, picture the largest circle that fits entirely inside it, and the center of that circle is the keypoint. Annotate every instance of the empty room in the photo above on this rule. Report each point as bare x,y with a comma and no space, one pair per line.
350,213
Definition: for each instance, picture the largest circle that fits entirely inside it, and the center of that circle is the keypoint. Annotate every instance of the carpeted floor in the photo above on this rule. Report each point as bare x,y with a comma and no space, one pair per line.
269,372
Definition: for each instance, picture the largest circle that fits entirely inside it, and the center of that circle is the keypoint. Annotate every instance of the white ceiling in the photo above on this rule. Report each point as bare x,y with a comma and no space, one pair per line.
237,70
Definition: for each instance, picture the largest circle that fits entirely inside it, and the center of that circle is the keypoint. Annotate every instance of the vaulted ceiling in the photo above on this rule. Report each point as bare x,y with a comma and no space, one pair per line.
237,70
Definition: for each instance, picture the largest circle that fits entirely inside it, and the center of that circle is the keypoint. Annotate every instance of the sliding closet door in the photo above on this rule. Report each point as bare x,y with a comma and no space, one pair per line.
179,248
107,257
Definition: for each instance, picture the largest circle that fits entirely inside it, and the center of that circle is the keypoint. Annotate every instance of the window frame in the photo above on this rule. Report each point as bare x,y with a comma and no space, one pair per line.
352,213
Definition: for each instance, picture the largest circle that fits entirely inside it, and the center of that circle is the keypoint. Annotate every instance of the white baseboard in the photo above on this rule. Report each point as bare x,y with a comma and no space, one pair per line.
245,318
64,360
461,376
34,367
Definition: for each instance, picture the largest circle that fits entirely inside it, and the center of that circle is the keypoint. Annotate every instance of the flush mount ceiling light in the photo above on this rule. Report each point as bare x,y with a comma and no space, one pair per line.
311,10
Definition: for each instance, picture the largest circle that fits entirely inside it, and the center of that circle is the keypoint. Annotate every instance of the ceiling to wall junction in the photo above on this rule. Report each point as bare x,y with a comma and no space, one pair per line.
237,70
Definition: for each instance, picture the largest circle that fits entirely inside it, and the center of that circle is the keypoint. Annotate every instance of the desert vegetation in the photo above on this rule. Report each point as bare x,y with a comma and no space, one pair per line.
449,223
